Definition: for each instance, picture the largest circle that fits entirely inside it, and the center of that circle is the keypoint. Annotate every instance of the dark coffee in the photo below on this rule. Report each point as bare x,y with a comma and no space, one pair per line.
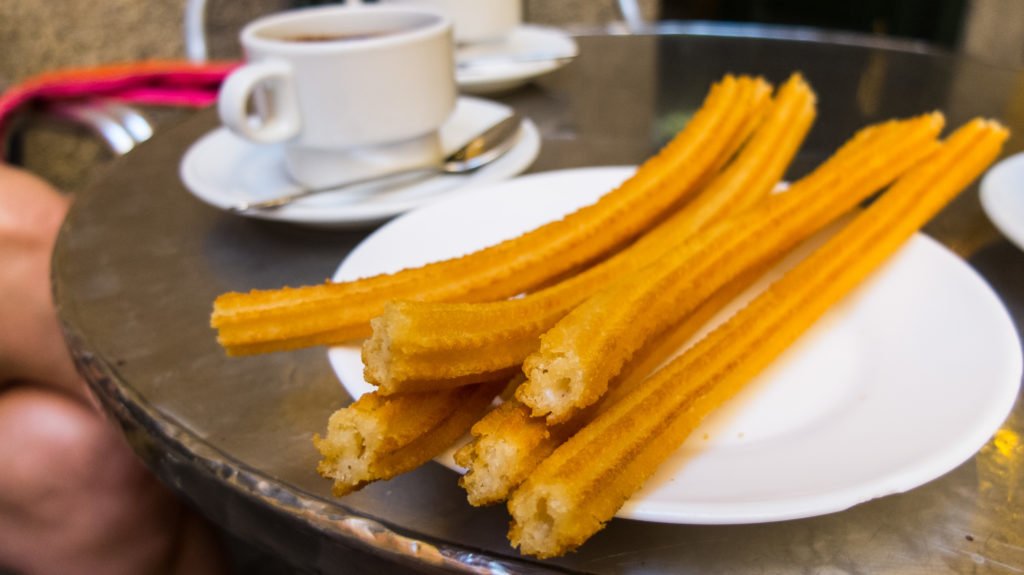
344,37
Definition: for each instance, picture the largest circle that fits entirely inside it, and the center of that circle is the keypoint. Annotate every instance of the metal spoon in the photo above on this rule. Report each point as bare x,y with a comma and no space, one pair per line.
478,152
473,63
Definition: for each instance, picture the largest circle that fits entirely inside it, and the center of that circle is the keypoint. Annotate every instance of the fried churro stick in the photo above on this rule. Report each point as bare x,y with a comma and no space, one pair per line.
508,443
331,313
587,348
422,345
584,482
377,438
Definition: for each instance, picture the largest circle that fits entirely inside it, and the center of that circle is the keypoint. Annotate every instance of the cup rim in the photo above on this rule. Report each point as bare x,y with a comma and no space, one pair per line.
250,35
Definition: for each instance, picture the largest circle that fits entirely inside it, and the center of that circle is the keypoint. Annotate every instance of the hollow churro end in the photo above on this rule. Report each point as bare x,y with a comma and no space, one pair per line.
487,461
999,131
507,445
346,449
376,351
545,521
553,387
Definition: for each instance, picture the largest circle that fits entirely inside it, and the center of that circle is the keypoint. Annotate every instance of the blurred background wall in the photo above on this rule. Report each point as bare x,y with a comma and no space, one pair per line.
993,30
39,36
52,34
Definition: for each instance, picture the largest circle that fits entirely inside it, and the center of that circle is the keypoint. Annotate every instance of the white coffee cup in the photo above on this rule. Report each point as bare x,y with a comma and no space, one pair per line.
475,20
352,91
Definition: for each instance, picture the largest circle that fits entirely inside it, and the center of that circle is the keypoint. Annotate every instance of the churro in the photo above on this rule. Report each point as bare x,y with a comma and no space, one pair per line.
377,438
421,345
575,491
579,356
330,313
508,443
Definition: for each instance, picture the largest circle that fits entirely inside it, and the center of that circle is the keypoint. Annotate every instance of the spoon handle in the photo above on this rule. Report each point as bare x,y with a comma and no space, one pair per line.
473,62
281,201
478,152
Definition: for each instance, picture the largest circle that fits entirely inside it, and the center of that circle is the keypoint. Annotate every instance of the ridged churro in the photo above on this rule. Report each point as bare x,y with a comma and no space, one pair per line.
423,345
576,490
508,443
377,438
587,348
331,313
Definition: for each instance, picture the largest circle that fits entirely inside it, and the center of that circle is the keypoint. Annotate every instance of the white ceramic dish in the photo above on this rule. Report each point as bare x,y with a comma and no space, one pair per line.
898,384
222,169
1002,197
528,42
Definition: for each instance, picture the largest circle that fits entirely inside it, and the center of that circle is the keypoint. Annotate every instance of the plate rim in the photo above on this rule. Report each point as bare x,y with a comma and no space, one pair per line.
991,196
518,74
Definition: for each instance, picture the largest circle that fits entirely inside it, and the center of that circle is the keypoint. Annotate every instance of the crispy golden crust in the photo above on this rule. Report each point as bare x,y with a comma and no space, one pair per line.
508,443
575,491
427,342
662,347
262,321
587,348
377,438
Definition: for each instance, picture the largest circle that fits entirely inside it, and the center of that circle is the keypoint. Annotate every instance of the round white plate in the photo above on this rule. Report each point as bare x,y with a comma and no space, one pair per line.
491,71
1002,197
222,169
898,384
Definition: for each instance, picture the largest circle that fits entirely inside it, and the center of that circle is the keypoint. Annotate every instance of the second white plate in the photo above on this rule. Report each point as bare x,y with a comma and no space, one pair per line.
529,51
1002,197
898,384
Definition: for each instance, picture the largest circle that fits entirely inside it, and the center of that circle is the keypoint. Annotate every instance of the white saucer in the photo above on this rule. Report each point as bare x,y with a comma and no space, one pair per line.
1002,197
899,383
527,41
222,169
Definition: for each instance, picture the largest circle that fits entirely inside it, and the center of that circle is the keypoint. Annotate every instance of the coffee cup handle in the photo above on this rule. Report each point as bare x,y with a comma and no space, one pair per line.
282,121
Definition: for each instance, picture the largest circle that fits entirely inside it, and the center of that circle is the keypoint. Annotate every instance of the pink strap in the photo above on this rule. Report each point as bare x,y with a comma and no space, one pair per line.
160,83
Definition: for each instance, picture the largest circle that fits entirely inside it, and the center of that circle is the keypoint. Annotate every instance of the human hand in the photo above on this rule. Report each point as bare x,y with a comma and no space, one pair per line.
73,497
31,345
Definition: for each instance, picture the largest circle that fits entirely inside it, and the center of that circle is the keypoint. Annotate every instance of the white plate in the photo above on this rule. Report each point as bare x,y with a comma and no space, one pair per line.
222,169
1002,197
526,41
898,384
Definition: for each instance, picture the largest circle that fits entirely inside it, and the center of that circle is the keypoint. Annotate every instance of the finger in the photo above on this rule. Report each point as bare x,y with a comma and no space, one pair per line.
73,497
